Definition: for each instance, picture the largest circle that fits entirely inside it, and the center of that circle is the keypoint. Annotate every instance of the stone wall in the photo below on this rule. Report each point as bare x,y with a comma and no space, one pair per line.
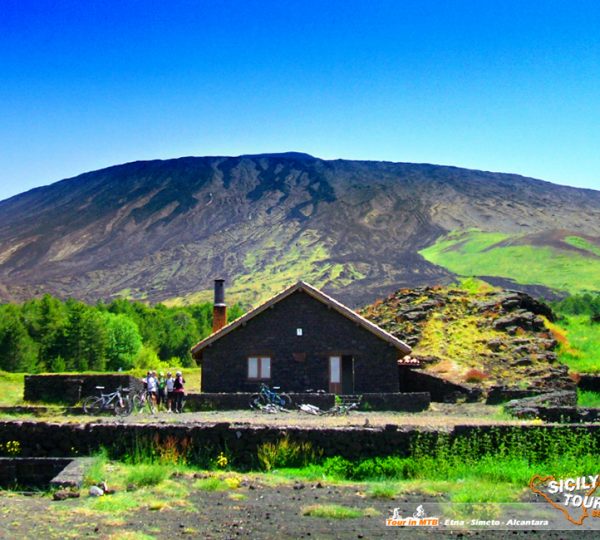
571,415
70,389
441,390
589,381
407,402
241,441
30,472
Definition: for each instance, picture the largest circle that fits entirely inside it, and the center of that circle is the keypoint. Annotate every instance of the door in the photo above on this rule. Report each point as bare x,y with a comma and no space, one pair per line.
335,374
347,375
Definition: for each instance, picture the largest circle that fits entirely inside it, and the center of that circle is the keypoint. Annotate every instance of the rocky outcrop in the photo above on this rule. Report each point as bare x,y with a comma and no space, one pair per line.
500,334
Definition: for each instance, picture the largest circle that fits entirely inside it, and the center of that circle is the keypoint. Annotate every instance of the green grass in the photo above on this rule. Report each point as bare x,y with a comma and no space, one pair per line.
579,343
11,388
587,398
217,484
336,511
582,243
141,475
477,253
382,491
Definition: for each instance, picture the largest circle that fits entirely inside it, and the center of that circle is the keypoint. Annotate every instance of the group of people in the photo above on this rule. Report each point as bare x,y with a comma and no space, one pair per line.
166,392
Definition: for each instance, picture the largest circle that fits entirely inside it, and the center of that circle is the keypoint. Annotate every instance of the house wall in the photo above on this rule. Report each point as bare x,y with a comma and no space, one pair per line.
325,333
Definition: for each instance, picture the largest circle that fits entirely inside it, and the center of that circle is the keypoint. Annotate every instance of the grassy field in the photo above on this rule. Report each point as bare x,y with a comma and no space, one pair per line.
11,388
477,253
579,343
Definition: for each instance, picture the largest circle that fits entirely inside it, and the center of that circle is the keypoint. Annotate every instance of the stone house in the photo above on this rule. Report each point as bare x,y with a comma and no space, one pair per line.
301,339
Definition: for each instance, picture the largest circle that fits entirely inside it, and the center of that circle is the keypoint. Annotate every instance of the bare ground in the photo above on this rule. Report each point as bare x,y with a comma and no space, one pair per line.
439,415
260,512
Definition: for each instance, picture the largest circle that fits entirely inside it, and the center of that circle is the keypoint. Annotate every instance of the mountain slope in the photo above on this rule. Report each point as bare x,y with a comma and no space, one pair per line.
159,230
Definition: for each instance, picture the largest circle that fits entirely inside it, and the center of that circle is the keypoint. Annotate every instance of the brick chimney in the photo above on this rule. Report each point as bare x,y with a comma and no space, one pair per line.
220,308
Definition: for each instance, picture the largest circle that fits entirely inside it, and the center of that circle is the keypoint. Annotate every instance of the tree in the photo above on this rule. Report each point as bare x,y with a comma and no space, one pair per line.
123,342
17,349
85,338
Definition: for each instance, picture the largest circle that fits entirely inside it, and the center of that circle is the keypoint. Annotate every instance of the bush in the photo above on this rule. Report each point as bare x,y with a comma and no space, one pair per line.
475,376
147,475
286,453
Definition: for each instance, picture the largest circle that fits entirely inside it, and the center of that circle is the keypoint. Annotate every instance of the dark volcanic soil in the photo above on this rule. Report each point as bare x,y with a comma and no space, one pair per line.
265,513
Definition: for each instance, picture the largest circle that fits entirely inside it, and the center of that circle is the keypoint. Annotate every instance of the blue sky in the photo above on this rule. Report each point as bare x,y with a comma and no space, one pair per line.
510,86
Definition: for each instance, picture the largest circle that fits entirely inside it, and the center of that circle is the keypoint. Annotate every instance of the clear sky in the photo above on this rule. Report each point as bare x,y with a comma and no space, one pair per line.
507,85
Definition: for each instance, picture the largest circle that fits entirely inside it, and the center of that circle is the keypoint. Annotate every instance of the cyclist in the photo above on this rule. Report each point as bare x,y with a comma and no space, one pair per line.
179,391
169,391
162,398
152,386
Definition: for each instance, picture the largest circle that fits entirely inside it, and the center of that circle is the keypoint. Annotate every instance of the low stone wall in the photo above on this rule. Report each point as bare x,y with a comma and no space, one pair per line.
589,381
441,390
502,394
241,441
406,402
570,415
70,389
30,472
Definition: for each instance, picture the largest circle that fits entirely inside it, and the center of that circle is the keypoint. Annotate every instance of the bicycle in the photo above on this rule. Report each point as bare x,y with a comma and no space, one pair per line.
114,401
267,398
143,400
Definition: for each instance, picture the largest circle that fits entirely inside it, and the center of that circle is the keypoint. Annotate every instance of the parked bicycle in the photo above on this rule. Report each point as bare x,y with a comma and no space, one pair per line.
117,402
269,398
143,402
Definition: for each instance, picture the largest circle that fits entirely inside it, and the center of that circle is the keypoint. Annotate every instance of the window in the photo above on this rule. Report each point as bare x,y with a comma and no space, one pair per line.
298,331
335,369
259,367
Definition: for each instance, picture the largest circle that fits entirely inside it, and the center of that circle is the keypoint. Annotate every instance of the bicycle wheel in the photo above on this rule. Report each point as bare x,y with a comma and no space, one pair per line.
137,403
285,401
92,405
257,401
123,408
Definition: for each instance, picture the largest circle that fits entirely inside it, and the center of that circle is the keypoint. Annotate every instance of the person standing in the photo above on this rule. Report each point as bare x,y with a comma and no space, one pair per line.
152,383
179,391
162,397
169,391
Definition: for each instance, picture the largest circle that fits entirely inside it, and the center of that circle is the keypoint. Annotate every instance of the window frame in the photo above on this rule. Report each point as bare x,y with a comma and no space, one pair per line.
260,361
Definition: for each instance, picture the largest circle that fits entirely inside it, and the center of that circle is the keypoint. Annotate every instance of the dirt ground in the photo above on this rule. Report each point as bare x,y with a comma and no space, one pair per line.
253,510
439,415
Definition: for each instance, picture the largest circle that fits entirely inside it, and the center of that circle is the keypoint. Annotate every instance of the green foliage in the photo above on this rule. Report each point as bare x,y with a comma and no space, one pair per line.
334,511
123,342
17,349
579,343
579,304
146,474
511,457
96,472
48,334
286,453
587,398
477,253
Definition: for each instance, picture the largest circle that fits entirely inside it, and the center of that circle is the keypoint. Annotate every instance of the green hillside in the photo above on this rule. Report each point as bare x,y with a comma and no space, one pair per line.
558,260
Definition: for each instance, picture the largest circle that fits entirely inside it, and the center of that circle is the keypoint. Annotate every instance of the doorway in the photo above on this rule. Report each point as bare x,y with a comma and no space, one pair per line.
341,374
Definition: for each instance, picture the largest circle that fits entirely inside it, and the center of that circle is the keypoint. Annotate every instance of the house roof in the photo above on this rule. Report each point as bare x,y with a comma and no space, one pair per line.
318,295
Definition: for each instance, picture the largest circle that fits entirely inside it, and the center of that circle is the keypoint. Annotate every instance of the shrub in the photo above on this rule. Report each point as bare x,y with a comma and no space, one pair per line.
147,475
475,376
287,453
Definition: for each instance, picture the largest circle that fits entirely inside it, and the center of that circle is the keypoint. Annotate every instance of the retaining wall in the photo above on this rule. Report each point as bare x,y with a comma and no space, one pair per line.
441,390
30,472
70,389
406,402
242,441
589,381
